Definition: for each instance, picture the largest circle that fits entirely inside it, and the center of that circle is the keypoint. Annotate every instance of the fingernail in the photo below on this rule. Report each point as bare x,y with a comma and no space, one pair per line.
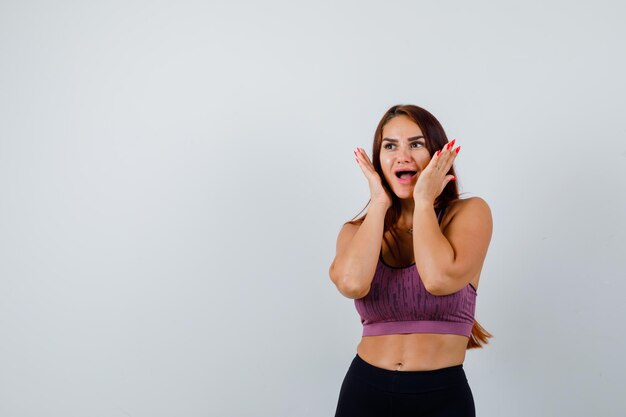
438,152
453,178
458,149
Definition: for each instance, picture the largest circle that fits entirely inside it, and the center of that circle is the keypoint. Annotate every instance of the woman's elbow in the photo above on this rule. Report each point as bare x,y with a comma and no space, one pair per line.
348,289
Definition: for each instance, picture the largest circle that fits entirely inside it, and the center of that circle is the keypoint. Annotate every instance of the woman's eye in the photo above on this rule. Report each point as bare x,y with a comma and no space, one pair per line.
414,143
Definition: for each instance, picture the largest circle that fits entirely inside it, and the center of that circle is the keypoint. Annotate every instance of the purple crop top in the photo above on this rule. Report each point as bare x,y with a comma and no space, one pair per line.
399,303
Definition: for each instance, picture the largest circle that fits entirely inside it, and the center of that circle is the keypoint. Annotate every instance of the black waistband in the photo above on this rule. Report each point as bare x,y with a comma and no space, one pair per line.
407,381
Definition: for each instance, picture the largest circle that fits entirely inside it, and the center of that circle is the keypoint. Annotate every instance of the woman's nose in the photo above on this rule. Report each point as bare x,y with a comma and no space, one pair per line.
405,153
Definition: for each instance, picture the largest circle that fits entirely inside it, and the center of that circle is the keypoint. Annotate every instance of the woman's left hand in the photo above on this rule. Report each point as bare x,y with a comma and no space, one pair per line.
433,179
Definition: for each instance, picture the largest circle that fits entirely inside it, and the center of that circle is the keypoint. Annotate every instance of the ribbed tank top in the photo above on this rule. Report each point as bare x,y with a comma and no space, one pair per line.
398,302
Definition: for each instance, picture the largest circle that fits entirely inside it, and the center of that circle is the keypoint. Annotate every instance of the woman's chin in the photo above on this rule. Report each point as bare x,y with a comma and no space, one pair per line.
404,194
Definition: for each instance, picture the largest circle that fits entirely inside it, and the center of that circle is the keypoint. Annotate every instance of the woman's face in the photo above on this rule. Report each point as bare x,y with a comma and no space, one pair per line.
403,148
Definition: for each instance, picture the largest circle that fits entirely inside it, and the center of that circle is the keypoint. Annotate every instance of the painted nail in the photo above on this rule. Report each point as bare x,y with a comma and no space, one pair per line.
453,178
458,149
438,152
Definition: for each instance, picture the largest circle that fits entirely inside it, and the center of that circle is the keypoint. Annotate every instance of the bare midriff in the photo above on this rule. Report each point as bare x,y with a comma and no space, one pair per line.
413,352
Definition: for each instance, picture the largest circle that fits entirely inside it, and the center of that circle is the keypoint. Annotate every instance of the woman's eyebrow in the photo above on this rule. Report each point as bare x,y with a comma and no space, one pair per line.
413,139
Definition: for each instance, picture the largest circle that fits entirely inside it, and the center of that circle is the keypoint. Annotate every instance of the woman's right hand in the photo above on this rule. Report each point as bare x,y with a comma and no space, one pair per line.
378,193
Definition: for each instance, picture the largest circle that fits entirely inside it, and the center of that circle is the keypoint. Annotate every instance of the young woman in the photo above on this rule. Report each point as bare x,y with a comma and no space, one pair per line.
412,264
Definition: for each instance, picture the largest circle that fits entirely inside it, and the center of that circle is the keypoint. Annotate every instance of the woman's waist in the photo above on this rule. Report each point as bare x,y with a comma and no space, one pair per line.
413,352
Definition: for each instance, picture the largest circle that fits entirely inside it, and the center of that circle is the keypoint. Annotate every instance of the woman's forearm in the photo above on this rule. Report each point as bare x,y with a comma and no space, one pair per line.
357,265
433,252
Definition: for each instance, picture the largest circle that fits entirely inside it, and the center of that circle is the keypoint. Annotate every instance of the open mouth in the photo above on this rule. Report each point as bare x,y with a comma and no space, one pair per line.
406,176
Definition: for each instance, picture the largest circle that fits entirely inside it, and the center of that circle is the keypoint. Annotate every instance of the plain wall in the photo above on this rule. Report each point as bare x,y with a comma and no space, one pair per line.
173,176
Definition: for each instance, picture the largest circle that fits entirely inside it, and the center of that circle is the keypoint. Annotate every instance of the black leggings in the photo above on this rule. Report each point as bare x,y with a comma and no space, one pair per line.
368,390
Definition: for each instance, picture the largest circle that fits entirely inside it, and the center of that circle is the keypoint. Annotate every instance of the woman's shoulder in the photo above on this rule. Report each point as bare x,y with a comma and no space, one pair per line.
474,206
348,229
470,201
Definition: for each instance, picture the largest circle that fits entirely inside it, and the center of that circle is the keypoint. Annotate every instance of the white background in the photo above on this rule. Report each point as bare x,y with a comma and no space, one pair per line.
173,176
